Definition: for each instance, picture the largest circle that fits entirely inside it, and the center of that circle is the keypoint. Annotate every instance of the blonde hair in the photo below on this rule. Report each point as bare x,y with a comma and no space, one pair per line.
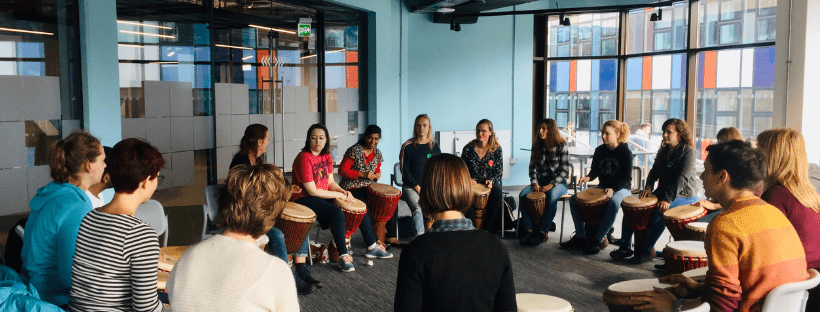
788,164
493,141
430,140
621,127
728,134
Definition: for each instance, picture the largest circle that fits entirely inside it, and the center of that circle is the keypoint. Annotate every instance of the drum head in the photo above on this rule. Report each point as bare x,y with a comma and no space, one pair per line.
698,274
537,302
357,206
591,195
683,212
698,226
480,189
297,212
384,189
639,285
686,248
162,279
536,195
634,202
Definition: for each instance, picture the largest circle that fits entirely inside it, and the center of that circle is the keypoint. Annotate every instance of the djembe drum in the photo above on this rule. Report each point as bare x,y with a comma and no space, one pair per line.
383,200
677,218
541,303
295,222
480,195
681,256
618,296
354,214
696,231
637,214
591,205
168,256
162,280
536,201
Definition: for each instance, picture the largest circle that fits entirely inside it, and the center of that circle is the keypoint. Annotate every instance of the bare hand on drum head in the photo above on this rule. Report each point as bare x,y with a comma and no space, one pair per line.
645,193
583,180
346,196
658,300
536,187
371,176
680,279
707,205
378,176
663,206
489,183
609,192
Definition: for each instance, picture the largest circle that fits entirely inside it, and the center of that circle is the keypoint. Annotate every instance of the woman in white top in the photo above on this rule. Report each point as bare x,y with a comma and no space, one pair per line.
229,272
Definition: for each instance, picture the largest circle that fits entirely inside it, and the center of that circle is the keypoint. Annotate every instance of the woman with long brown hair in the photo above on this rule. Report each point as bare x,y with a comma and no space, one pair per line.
549,170
485,162
789,190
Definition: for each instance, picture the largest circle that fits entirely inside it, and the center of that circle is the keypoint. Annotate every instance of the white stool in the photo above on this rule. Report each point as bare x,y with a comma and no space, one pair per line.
542,303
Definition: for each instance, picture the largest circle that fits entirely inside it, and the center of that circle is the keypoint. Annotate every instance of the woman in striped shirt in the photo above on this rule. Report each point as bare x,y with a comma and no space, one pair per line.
115,262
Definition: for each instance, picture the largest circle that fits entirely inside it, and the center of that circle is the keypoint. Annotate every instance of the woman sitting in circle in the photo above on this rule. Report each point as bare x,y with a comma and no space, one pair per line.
549,169
434,274
229,272
115,263
612,166
674,170
486,165
254,143
789,190
57,210
313,170
414,153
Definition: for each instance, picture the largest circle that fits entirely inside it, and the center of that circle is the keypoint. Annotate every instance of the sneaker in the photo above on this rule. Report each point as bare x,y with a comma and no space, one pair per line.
661,267
303,272
302,287
538,238
611,239
525,238
395,242
643,257
378,252
621,253
592,249
346,263
575,243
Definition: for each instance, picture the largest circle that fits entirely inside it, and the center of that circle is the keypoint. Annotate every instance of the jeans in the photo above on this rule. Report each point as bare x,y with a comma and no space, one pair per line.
656,226
279,249
410,196
550,207
491,210
608,220
329,215
366,227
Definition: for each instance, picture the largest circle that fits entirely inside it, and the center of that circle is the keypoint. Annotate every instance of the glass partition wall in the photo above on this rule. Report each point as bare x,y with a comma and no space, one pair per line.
709,62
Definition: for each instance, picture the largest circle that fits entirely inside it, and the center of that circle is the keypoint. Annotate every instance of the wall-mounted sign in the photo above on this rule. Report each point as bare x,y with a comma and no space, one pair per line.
304,27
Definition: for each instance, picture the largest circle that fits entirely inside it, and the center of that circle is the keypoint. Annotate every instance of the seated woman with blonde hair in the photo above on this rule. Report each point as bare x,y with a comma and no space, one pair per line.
435,273
229,272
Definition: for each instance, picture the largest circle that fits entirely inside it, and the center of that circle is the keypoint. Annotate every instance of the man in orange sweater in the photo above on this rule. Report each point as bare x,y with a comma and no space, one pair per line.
752,247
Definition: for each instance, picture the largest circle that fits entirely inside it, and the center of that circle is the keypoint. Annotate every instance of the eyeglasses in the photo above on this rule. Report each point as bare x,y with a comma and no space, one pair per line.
160,178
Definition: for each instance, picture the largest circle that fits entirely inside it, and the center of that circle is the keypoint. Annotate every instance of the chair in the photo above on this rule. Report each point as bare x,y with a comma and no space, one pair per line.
210,209
395,179
791,296
20,231
151,212
565,198
703,307
637,179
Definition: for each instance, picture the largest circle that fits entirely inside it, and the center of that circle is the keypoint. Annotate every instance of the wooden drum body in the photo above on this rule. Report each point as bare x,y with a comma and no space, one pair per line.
677,218
295,222
481,193
697,231
591,205
162,280
681,256
536,201
618,296
637,214
354,213
383,200
541,303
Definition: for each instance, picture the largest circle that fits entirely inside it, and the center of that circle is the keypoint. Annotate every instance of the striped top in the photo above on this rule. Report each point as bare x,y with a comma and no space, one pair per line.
752,249
115,265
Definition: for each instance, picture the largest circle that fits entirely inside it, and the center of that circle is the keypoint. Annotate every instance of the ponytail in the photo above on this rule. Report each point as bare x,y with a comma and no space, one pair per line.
621,127
68,156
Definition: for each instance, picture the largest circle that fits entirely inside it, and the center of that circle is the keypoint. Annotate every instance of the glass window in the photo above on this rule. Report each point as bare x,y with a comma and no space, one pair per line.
670,33
655,87
588,35
729,22
582,91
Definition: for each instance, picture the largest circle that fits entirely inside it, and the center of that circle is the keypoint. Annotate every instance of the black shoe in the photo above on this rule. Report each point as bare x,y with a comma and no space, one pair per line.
303,272
575,243
525,238
302,287
552,227
611,239
621,253
642,257
538,238
661,267
592,249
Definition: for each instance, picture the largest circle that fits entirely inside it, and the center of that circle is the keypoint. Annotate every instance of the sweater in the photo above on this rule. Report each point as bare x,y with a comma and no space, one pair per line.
51,235
752,248
455,271
675,173
806,221
224,274
413,157
310,168
355,162
491,167
115,265
613,168
240,159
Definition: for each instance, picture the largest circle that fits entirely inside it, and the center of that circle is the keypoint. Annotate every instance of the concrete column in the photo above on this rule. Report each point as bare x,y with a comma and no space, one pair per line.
100,70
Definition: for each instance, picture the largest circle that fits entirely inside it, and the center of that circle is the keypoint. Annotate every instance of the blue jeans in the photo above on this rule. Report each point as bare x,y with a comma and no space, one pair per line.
607,221
279,249
656,226
550,207
329,215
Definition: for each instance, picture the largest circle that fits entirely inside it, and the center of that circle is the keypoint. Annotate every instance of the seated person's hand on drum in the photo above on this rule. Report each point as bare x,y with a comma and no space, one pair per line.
489,183
536,187
663,206
659,300
683,281
708,205
583,180
609,192
377,176
345,196
645,193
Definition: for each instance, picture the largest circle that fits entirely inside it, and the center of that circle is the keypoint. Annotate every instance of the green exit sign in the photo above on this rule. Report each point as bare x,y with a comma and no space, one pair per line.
304,27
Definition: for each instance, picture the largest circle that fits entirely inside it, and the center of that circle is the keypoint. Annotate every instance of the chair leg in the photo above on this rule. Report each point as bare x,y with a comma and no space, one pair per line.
563,210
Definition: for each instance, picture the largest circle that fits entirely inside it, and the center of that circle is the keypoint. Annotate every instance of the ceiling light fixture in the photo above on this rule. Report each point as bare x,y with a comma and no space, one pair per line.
130,45
26,31
273,29
328,52
247,57
138,33
143,24
171,54
446,10
232,47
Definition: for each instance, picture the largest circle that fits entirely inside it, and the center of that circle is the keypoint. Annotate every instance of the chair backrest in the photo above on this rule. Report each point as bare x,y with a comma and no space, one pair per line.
20,231
791,297
396,176
212,200
151,212
637,177
703,307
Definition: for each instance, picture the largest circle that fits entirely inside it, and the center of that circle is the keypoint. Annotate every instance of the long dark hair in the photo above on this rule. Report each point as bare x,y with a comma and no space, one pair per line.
553,138
684,133
253,134
370,130
326,148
